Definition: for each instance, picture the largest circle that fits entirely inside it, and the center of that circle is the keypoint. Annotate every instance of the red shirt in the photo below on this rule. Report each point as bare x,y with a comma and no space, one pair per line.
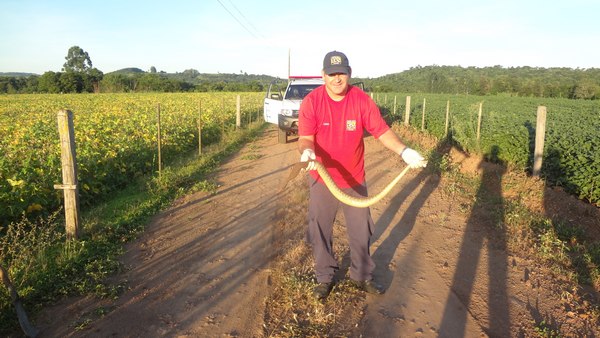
338,128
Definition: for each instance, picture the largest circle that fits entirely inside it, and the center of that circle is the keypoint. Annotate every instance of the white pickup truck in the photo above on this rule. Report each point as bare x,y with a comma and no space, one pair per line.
281,107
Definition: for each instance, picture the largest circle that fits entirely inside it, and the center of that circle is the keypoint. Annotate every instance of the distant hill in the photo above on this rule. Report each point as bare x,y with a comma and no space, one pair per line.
522,81
131,70
16,74
195,77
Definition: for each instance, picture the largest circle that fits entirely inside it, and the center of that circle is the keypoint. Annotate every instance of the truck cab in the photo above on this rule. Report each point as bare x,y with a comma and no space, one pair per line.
282,103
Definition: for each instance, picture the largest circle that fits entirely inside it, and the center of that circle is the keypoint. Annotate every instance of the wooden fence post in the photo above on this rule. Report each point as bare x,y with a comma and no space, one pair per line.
447,118
222,118
159,141
69,173
394,105
423,116
407,112
200,128
540,131
238,113
249,117
479,121
260,116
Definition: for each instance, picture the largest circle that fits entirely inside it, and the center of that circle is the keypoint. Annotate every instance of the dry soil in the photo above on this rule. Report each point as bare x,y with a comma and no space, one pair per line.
202,267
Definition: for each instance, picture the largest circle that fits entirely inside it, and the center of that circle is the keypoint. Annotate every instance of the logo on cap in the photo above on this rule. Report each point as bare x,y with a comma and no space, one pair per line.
336,60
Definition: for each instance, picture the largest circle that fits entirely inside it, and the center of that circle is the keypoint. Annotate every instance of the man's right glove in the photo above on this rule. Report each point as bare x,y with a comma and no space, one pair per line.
413,158
308,155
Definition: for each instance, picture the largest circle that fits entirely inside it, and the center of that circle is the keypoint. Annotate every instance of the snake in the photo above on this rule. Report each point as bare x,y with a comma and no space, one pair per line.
359,202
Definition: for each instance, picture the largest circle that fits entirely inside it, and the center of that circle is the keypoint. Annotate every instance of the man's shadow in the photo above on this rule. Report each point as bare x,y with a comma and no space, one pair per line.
429,178
385,252
485,226
574,223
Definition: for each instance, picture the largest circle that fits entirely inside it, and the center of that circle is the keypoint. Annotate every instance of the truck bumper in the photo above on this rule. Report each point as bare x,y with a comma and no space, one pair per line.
288,123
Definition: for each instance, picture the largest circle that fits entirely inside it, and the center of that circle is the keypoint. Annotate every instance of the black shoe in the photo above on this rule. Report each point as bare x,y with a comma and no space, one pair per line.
368,286
322,290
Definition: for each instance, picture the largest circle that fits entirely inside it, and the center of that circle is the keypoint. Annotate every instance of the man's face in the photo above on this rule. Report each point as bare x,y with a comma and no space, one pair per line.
336,85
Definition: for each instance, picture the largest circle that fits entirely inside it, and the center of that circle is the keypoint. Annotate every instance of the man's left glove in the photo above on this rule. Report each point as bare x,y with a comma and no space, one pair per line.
308,155
413,158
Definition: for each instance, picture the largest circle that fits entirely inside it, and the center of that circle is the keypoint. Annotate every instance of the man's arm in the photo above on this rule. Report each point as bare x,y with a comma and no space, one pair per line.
306,142
306,147
391,141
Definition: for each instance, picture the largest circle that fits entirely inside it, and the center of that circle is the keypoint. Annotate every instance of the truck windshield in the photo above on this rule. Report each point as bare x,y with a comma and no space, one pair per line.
298,92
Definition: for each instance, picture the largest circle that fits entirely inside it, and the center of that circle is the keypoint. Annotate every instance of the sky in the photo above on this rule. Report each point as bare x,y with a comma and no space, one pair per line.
259,37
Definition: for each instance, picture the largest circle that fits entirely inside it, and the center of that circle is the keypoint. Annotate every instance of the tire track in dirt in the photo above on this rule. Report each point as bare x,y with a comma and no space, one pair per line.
445,263
201,269
415,294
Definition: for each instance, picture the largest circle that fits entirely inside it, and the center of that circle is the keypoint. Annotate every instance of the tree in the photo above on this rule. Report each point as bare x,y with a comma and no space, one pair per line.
49,82
118,83
189,75
93,78
78,69
9,85
78,60
71,82
150,83
585,89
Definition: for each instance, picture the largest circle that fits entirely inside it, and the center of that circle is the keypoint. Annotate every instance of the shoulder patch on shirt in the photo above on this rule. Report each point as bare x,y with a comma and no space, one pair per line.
350,125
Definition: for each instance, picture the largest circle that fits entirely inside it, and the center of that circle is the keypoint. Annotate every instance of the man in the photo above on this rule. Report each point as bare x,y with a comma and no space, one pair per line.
331,123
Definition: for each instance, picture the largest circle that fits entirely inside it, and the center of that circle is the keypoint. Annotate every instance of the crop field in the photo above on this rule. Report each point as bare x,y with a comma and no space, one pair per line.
116,143
571,157
116,140
116,137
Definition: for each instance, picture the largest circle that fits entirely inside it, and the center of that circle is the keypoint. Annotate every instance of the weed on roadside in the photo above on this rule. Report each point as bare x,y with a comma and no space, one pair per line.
45,267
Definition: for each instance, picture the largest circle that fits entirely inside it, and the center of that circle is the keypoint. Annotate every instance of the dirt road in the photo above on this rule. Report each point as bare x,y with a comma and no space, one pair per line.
202,267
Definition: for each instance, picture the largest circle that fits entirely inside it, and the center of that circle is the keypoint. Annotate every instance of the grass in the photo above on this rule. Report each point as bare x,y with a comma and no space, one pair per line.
543,329
293,312
563,246
44,267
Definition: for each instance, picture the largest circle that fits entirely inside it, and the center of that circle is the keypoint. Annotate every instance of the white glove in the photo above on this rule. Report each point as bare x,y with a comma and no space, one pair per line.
308,155
413,158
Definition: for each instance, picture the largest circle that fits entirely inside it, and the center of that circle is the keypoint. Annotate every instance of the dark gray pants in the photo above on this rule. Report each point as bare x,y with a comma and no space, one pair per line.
322,210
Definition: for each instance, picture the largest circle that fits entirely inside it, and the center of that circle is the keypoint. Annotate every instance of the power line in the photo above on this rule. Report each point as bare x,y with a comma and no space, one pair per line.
246,19
236,19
